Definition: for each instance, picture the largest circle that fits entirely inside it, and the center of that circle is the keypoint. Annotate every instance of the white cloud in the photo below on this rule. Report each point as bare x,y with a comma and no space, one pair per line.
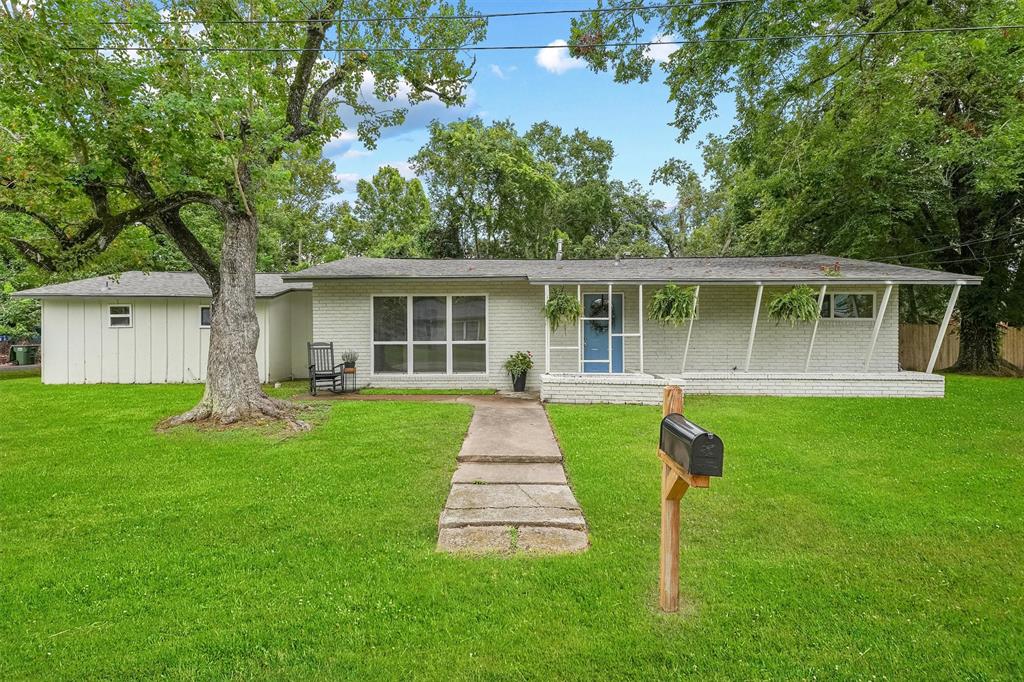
356,153
347,180
555,58
660,52
417,115
403,168
340,141
501,73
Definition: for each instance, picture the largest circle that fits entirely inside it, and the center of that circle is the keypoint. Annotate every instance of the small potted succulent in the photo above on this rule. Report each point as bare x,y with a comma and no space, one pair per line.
517,365
348,359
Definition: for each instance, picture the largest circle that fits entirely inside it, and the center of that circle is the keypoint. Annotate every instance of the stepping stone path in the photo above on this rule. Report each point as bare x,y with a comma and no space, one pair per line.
509,493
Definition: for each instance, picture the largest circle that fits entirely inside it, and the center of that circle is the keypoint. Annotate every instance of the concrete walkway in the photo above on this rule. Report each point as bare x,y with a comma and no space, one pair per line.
509,493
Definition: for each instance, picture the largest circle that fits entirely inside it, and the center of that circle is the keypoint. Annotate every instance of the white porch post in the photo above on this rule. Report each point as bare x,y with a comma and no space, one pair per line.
942,329
547,332
640,315
753,326
611,339
689,330
878,323
814,330
579,330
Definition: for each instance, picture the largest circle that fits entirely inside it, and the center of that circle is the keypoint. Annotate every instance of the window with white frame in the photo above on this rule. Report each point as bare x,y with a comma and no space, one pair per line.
119,315
850,306
204,316
434,334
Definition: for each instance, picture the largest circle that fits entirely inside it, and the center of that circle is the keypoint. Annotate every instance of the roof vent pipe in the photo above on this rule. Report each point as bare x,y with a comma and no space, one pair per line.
558,251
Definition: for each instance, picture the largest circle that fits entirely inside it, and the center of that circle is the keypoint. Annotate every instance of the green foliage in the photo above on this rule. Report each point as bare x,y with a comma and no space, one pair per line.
19,317
390,217
869,147
799,304
673,304
562,309
519,363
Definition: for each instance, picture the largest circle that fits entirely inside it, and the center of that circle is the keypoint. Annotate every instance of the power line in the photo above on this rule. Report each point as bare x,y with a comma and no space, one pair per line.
584,46
951,246
428,17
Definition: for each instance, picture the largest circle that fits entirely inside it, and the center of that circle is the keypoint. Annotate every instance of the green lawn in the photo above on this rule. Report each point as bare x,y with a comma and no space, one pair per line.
849,538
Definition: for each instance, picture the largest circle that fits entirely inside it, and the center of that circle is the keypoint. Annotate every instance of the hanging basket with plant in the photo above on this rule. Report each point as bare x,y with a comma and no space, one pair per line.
799,304
562,308
673,304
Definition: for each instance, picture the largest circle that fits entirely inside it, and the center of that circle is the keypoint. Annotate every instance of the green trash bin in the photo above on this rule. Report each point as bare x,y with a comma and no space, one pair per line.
24,355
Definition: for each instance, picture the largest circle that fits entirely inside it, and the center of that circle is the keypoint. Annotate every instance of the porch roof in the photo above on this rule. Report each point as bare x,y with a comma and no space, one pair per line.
714,270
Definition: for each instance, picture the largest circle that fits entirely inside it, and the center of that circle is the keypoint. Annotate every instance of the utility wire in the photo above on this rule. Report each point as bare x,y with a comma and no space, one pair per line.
430,17
957,246
585,46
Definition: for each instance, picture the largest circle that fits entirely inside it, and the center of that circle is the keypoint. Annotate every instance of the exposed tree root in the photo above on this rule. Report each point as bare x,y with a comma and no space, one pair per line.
256,411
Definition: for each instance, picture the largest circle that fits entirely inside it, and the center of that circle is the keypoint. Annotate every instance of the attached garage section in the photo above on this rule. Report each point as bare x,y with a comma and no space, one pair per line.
142,339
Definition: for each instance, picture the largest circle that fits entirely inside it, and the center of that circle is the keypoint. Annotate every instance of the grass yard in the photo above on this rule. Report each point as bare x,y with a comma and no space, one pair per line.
849,539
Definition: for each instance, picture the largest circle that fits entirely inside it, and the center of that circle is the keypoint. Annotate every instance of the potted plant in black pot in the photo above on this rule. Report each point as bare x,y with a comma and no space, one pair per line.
517,365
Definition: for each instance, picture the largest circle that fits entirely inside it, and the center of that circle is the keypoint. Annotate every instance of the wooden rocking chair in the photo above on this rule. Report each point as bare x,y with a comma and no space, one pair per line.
322,370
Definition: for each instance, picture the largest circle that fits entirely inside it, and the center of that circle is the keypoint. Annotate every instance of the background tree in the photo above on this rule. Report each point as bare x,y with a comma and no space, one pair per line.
390,217
488,191
869,146
100,140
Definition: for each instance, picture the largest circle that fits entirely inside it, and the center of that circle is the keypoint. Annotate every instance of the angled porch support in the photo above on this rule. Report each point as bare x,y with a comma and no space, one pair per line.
689,330
753,326
814,330
942,329
878,323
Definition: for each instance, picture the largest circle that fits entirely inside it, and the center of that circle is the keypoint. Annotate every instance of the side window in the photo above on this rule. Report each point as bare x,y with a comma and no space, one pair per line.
204,316
119,315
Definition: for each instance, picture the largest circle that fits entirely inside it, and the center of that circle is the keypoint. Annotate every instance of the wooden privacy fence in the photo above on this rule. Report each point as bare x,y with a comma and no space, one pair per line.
916,341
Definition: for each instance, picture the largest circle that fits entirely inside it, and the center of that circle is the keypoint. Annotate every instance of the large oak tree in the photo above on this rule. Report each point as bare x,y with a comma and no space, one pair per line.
97,135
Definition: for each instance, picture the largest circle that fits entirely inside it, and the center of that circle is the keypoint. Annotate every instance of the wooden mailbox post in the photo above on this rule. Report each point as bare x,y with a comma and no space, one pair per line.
675,481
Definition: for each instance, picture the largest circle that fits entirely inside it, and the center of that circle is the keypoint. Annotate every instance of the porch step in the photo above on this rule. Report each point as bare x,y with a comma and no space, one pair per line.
495,472
512,458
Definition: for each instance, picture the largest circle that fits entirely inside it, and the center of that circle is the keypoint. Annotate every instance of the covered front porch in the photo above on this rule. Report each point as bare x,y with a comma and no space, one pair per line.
616,353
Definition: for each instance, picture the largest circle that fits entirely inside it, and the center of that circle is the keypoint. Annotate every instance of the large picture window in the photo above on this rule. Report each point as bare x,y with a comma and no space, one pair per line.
429,334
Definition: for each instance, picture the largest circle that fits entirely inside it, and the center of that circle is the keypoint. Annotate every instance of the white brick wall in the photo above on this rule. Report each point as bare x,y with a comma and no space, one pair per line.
515,321
341,313
589,388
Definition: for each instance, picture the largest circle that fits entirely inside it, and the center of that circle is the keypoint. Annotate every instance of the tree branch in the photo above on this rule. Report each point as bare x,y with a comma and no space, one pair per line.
57,233
316,31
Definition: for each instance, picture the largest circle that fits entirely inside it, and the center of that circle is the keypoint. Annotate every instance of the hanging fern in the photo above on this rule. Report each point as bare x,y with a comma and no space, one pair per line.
799,304
673,304
562,308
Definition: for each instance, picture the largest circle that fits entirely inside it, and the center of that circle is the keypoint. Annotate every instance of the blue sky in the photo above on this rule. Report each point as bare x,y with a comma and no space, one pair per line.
527,86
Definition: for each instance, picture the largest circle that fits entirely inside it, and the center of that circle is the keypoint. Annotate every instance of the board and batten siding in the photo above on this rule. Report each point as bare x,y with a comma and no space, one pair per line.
165,343
342,314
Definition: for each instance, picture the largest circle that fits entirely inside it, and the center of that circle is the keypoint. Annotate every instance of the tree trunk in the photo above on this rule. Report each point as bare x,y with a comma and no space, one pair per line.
233,392
981,312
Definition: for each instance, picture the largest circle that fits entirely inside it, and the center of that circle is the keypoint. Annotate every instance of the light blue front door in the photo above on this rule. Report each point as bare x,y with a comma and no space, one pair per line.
596,336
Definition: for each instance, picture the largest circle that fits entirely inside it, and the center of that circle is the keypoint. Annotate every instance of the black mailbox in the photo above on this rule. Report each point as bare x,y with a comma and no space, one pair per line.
696,450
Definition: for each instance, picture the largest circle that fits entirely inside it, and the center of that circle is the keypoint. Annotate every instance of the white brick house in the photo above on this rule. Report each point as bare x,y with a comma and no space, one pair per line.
452,324
407,319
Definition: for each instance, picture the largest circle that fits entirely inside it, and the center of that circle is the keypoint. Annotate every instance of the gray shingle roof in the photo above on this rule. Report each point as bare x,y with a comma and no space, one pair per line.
767,269
164,284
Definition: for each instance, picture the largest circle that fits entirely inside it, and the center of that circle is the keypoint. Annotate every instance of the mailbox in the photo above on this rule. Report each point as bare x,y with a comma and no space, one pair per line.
696,450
